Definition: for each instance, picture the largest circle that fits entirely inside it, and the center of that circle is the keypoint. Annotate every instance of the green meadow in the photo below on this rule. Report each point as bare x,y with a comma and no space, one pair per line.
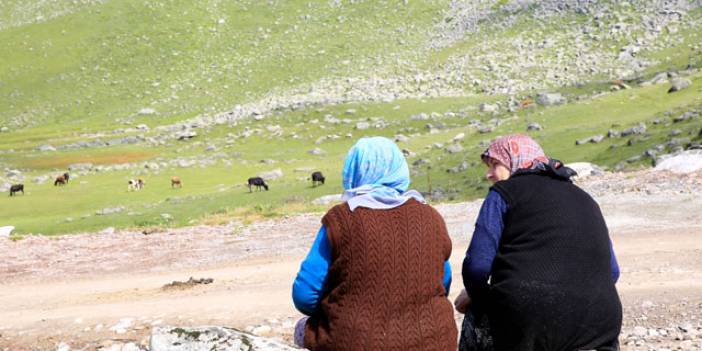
86,69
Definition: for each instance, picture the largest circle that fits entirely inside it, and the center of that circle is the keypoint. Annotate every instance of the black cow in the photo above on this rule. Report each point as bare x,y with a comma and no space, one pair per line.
16,188
66,176
317,177
258,182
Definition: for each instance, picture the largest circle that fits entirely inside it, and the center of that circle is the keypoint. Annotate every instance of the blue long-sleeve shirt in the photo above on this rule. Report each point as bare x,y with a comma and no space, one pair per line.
309,286
477,264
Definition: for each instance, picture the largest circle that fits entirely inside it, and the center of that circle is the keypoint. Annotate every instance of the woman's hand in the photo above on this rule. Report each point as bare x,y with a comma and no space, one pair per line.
462,301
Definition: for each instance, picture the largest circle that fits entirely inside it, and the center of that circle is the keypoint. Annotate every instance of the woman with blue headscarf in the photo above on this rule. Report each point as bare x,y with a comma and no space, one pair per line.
377,275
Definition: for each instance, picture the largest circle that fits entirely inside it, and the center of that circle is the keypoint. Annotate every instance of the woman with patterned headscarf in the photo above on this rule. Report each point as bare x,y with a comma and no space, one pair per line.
539,273
377,275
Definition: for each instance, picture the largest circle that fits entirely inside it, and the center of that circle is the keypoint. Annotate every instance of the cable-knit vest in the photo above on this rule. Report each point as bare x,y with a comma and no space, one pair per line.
384,288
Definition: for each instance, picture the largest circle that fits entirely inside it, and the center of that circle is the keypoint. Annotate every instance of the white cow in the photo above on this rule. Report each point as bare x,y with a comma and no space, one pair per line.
135,184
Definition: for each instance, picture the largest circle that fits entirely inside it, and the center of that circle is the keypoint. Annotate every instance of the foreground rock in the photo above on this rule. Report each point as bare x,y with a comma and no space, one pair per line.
210,338
684,162
6,231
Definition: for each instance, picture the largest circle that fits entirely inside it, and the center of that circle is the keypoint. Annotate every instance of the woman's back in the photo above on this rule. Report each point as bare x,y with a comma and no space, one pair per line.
552,269
385,281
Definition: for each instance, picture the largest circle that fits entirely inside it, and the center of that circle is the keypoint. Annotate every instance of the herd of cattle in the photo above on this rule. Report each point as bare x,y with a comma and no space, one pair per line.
138,183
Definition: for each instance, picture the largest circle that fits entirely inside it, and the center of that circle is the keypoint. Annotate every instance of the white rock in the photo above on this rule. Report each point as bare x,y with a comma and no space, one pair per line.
362,125
62,346
685,162
585,169
488,108
210,338
147,111
122,325
261,330
6,231
639,331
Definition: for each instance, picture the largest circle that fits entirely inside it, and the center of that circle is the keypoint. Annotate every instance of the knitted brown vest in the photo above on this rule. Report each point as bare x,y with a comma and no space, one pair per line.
384,288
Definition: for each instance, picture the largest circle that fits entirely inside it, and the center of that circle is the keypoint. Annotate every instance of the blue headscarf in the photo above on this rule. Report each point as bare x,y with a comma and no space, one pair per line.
376,175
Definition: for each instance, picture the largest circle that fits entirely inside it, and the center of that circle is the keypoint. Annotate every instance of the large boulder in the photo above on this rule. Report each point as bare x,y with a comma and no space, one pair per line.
678,84
6,231
548,99
684,162
210,338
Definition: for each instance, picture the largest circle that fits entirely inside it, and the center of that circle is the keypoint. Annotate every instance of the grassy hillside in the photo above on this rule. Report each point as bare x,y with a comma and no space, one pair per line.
128,77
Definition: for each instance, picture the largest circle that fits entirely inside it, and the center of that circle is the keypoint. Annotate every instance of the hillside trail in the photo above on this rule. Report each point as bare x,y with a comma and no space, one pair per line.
92,290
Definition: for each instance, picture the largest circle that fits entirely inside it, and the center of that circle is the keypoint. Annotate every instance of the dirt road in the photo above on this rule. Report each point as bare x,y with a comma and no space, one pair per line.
96,290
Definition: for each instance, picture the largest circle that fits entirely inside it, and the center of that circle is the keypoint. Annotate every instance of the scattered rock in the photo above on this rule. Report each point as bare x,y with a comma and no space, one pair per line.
534,126
593,139
401,138
454,148
108,231
46,148
122,326
272,175
41,179
4,130
6,231
186,135
459,137
147,111
362,125
109,210
317,152
262,330
210,338
639,129
585,169
684,162
13,173
187,284
548,99
486,129
685,117
678,84
460,168
488,108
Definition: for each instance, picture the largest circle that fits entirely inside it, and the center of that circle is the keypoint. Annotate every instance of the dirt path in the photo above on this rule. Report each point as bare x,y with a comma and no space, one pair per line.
100,289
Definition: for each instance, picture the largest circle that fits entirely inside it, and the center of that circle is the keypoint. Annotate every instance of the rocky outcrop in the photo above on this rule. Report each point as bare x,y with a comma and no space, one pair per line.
210,339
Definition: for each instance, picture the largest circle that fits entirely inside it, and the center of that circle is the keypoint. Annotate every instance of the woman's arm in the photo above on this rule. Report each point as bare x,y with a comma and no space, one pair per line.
308,287
477,264
447,276
613,263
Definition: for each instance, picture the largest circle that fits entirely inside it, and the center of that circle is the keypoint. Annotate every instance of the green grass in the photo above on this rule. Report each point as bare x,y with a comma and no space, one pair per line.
88,71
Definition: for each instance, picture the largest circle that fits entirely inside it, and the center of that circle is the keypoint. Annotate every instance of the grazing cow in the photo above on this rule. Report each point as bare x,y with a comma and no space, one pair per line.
135,184
175,181
317,177
258,182
15,188
67,176
61,180
526,103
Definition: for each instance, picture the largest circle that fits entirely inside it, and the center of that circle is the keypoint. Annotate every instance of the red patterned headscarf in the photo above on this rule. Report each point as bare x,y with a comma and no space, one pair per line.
517,152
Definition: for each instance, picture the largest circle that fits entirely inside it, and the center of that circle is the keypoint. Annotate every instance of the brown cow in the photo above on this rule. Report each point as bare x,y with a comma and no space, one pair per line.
60,180
176,181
